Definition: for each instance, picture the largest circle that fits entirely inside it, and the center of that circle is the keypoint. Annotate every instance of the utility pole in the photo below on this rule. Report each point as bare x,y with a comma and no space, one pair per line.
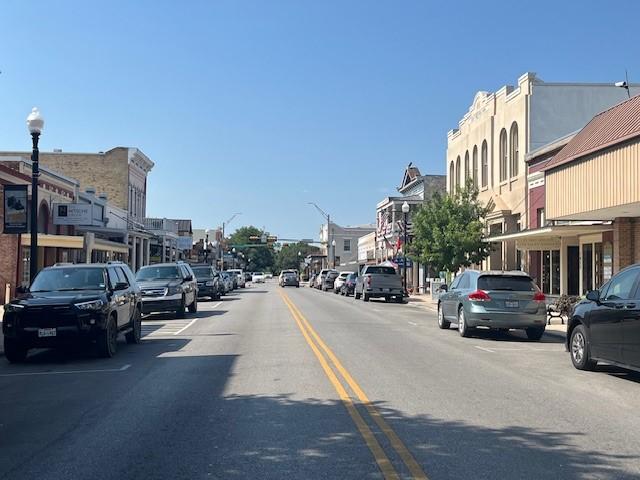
328,218
222,238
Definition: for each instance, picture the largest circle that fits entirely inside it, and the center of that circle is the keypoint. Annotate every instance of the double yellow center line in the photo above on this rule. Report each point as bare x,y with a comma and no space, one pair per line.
327,358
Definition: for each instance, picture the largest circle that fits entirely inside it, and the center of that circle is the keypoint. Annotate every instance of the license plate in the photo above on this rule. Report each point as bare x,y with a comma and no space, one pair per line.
47,332
511,303
386,289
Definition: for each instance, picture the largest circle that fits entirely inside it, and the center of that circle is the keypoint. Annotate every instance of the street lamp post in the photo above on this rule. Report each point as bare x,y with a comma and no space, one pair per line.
405,213
35,123
233,253
206,246
333,252
222,239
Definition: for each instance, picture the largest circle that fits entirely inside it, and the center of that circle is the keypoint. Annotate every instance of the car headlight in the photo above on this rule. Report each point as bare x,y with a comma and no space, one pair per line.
92,305
209,283
13,307
174,290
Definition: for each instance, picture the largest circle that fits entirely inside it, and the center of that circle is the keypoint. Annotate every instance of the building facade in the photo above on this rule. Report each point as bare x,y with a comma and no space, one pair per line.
344,254
492,139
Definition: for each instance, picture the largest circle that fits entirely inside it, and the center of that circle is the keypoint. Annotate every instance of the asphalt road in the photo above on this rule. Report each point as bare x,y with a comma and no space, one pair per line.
296,383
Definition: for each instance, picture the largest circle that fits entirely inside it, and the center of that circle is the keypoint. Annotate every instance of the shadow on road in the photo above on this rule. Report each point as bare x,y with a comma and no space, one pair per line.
513,336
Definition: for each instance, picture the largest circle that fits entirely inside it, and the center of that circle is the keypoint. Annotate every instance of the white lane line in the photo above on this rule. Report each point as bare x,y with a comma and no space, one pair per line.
121,369
484,348
186,326
413,323
216,305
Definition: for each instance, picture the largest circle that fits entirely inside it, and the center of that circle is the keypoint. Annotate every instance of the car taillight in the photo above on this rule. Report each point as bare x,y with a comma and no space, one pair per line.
367,280
539,297
479,296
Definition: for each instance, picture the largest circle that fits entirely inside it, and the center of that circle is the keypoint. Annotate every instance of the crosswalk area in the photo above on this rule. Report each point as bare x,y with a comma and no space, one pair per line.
165,328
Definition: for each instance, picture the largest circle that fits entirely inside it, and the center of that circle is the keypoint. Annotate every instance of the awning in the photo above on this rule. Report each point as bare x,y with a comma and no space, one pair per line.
74,242
548,238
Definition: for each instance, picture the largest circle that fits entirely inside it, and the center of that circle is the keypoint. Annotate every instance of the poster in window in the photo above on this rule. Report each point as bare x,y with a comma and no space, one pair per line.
15,209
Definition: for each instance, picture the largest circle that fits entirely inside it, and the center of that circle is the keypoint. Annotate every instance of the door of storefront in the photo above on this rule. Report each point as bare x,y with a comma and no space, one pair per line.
596,262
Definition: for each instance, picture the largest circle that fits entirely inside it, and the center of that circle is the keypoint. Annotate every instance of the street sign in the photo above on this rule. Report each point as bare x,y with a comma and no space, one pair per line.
15,209
72,214
184,243
400,262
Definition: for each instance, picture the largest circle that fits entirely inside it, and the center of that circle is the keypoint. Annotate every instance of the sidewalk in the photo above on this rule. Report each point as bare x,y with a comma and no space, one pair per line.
425,301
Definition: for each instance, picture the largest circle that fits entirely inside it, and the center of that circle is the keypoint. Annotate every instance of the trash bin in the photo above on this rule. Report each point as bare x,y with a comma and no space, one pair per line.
435,288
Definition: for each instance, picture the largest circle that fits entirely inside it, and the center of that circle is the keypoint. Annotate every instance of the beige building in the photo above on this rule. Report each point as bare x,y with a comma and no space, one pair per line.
492,139
120,175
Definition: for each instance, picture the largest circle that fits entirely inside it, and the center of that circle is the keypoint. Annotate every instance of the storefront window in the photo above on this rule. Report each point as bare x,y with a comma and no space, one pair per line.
607,261
587,267
597,265
555,276
546,271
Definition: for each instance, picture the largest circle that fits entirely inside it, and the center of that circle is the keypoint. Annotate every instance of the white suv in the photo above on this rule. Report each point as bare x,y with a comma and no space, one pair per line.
240,275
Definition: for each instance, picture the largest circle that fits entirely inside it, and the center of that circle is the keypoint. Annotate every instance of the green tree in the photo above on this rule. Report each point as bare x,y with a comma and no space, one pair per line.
258,258
449,230
288,258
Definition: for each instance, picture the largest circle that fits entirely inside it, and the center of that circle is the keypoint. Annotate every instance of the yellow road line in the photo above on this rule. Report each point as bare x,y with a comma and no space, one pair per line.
385,465
414,467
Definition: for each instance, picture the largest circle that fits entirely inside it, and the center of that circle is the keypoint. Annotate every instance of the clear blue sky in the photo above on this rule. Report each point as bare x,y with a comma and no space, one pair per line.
262,106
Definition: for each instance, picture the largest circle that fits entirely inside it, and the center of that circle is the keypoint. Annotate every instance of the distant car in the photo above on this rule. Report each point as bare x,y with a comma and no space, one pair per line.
240,281
337,285
71,304
349,285
329,280
247,276
379,281
168,287
208,281
289,279
606,326
268,275
494,299
227,279
258,277
317,282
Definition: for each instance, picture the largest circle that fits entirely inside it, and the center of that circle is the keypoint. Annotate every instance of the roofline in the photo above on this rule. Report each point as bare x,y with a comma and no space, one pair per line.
549,147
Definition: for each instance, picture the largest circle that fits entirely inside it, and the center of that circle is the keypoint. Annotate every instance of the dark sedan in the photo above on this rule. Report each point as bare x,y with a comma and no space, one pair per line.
349,285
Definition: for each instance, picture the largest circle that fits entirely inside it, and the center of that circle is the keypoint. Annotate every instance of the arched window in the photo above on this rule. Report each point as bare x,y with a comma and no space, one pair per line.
475,166
466,168
503,155
452,178
458,171
43,218
513,150
484,160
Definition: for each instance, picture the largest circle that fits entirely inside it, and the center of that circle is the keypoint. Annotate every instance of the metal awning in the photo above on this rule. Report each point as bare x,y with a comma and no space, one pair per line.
556,231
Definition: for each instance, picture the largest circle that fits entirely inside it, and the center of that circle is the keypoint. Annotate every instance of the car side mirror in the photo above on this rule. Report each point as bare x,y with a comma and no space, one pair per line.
443,288
188,278
593,296
120,286
21,290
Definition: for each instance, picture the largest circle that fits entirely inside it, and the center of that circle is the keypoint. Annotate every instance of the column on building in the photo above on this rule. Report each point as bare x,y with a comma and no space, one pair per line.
147,251
134,257
139,262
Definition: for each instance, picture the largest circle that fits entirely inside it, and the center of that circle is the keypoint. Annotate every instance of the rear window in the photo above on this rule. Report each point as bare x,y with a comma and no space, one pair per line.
381,270
507,283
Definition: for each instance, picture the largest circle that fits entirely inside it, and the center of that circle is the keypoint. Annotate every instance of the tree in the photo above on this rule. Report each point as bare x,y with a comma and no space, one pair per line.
287,257
259,258
449,230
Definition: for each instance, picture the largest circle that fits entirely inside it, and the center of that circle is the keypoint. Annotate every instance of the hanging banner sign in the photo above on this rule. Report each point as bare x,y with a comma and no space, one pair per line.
15,209
72,214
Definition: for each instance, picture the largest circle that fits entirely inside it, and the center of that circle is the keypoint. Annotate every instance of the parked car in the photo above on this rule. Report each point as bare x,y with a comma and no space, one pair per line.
289,279
69,304
285,272
268,275
329,280
258,277
379,281
499,300
606,326
227,280
337,285
240,281
317,282
208,281
247,276
349,284
168,287
312,280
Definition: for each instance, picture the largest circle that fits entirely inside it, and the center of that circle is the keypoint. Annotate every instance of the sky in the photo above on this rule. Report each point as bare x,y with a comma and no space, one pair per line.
260,107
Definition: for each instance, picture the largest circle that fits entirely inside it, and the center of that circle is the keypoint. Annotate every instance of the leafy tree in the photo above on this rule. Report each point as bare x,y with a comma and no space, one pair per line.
287,257
259,258
449,230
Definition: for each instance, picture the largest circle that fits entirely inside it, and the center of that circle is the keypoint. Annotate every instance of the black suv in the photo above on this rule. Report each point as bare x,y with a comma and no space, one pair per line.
606,326
70,303
208,281
168,287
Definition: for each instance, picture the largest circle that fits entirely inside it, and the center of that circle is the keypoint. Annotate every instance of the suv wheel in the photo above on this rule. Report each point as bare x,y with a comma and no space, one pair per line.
579,348
181,308
442,323
193,308
107,341
135,335
535,333
365,297
14,350
463,328
356,295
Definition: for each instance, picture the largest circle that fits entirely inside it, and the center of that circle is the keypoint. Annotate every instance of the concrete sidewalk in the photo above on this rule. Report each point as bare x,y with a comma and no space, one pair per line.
425,301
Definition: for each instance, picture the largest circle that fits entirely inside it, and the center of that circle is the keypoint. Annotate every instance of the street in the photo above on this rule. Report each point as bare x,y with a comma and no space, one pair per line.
296,383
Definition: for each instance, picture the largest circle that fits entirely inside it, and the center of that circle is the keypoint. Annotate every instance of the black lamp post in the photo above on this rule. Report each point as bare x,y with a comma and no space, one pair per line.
405,213
35,123
206,246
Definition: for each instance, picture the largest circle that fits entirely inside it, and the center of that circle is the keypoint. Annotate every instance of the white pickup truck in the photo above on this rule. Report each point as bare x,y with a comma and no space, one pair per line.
379,281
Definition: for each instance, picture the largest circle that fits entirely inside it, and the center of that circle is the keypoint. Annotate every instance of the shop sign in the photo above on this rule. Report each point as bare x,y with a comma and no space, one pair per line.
15,209
185,243
72,214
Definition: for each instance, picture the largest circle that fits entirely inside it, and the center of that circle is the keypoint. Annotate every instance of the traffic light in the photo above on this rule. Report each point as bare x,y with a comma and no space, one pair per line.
254,239
272,239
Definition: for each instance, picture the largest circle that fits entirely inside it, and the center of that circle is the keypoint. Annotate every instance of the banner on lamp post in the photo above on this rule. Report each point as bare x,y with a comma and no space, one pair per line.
15,209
